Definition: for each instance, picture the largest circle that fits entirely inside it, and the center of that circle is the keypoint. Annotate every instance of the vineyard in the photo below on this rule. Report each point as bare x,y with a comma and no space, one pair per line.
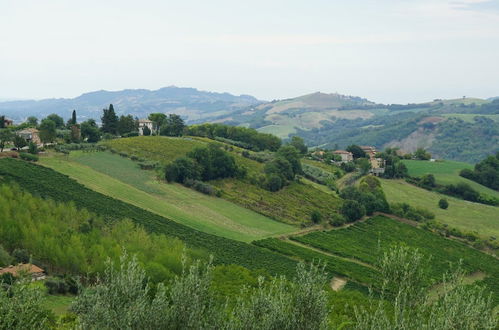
361,274
47,183
367,240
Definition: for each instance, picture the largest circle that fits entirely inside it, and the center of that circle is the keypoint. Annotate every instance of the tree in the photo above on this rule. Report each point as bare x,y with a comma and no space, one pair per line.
2,122
299,144
352,210
126,124
364,165
273,182
73,118
405,274
421,154
292,156
90,131
75,134
428,181
443,203
19,142
182,169
32,148
32,121
6,135
22,307
47,131
173,126
109,121
58,121
356,151
158,120
146,131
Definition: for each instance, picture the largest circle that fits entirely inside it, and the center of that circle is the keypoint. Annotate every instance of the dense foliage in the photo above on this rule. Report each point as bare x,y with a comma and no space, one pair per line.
253,139
203,163
485,172
61,237
366,199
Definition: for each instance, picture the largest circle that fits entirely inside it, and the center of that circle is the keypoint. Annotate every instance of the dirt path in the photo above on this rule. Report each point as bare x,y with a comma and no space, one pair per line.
337,283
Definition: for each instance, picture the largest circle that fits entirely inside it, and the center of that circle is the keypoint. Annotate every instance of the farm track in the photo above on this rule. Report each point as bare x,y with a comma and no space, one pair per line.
305,246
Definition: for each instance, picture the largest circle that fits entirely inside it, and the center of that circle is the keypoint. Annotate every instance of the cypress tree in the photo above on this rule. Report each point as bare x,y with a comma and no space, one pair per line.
73,118
109,121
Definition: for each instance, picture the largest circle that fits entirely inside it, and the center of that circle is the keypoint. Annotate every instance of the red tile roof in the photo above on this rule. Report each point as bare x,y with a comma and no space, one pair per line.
16,270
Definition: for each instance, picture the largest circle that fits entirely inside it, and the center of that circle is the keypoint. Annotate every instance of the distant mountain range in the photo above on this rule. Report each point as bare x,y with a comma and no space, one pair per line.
465,129
190,103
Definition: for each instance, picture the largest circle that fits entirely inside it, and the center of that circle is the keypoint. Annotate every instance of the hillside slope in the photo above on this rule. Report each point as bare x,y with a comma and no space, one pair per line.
122,179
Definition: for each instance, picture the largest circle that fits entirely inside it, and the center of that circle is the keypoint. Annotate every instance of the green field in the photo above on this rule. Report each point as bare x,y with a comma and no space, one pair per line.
366,241
121,178
461,214
293,205
59,304
446,172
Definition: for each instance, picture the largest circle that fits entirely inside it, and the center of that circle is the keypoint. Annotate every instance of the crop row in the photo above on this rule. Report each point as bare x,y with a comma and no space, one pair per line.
47,183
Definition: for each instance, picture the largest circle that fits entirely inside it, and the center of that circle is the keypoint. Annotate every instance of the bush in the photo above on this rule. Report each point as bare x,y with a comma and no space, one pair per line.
316,216
443,204
337,220
182,169
32,148
202,187
407,211
21,255
28,157
273,182
352,210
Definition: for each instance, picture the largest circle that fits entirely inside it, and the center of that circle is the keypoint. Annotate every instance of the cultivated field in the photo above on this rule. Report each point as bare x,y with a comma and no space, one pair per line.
121,178
366,241
461,214
446,172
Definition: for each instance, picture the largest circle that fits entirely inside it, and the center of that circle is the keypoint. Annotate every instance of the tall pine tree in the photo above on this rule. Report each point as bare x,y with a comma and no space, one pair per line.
109,121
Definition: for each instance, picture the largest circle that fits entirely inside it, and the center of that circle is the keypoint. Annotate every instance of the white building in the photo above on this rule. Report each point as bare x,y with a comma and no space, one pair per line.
145,123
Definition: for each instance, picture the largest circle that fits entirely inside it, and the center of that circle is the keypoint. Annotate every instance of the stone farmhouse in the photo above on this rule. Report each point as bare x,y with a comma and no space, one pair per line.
30,135
346,156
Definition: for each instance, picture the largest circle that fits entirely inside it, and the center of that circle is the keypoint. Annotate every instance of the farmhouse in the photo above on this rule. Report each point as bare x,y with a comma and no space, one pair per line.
8,122
30,135
346,156
35,272
145,123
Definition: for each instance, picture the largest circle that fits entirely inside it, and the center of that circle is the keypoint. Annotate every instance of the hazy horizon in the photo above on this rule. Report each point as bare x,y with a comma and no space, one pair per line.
386,51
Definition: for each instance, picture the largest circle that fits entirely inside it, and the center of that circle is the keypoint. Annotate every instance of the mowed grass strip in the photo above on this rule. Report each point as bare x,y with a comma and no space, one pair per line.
121,178
446,172
461,214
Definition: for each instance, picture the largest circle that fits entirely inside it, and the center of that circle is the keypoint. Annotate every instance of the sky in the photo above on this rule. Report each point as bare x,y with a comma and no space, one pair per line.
385,50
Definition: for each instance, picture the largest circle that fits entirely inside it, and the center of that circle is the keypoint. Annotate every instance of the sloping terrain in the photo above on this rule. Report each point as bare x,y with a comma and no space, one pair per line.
122,179
463,215
446,172
293,204
47,183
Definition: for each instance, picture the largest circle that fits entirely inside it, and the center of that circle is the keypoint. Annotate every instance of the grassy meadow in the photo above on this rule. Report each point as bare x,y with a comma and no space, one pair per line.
121,178
461,214
446,172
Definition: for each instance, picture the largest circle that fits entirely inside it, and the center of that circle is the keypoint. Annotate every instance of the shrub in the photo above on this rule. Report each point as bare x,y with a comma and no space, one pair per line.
32,148
202,187
407,211
316,216
28,157
443,204
133,157
273,182
182,169
337,220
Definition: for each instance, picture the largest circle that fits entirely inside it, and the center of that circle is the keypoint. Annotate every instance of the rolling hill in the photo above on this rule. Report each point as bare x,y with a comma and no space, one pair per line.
190,103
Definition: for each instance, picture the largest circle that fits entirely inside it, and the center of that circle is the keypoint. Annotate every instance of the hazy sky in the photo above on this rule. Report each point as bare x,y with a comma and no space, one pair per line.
385,50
